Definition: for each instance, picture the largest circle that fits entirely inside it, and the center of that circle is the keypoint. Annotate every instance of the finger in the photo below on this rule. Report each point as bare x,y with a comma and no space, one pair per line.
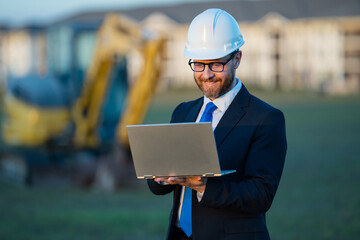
162,180
196,181
177,180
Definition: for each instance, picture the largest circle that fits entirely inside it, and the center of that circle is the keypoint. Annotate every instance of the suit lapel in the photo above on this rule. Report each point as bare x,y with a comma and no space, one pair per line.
194,111
232,115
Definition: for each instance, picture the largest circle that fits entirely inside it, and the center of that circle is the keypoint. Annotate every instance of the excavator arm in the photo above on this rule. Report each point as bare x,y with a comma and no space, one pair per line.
117,36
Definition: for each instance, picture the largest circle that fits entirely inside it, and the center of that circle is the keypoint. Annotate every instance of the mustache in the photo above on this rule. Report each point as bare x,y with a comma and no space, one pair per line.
209,80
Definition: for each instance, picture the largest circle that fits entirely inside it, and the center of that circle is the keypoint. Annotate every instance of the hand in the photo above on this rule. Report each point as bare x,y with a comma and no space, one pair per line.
196,183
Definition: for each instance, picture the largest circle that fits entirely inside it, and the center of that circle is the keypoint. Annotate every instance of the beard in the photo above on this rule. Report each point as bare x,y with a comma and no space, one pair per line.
219,86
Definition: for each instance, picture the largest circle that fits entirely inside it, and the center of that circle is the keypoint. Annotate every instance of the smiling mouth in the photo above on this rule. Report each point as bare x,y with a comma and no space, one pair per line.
210,83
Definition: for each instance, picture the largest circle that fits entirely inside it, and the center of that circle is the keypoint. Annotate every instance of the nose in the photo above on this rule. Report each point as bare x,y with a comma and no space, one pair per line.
207,73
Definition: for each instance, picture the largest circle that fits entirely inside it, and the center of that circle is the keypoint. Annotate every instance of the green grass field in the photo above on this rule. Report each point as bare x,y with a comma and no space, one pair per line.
318,197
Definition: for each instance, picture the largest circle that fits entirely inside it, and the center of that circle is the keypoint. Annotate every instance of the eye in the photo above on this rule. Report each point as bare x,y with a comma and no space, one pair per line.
198,64
216,65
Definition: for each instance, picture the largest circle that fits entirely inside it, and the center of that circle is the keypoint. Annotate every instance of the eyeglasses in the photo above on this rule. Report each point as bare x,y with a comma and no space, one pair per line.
214,66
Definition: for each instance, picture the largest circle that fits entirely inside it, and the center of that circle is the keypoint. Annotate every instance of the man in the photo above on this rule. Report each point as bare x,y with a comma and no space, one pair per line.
250,137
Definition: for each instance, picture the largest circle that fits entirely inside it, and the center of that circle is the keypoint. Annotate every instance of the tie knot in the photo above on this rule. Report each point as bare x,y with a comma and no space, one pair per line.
210,108
207,115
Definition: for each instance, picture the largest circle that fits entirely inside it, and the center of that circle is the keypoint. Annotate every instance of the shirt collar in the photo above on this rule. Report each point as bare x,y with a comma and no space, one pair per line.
224,101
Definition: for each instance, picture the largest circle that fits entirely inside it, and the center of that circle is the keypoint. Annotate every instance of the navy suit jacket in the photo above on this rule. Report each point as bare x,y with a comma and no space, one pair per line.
250,138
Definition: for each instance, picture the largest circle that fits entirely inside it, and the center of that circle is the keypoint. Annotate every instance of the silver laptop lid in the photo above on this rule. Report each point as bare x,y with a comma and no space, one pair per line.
181,149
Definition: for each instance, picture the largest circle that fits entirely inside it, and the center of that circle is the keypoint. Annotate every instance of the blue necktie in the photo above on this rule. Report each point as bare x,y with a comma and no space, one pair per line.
185,218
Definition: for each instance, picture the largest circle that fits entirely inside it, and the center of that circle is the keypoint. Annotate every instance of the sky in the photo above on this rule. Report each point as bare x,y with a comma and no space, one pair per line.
21,12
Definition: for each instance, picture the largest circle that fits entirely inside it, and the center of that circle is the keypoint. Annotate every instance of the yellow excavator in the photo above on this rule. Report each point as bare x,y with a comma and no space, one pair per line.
28,125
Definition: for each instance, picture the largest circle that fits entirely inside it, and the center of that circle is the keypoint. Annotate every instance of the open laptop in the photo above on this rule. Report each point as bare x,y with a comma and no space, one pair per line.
180,149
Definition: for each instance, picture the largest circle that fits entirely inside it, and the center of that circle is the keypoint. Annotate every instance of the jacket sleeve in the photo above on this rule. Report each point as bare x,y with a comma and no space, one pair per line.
158,188
254,192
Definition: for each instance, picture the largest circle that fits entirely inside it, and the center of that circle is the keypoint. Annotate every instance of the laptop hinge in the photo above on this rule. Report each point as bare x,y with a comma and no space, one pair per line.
208,175
149,176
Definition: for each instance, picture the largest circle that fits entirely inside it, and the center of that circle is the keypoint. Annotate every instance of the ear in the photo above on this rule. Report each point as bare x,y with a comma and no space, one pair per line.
238,57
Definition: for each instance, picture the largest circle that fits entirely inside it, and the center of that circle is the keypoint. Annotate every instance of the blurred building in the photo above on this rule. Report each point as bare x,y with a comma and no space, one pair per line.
311,45
319,54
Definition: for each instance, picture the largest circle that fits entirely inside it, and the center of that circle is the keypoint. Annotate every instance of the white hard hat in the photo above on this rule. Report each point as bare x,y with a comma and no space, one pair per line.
212,34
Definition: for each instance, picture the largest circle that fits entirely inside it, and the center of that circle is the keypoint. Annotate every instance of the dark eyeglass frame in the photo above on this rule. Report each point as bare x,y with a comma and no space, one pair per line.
212,63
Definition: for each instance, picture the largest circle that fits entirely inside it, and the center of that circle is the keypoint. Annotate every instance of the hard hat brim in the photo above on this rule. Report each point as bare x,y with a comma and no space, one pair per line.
205,54
208,54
